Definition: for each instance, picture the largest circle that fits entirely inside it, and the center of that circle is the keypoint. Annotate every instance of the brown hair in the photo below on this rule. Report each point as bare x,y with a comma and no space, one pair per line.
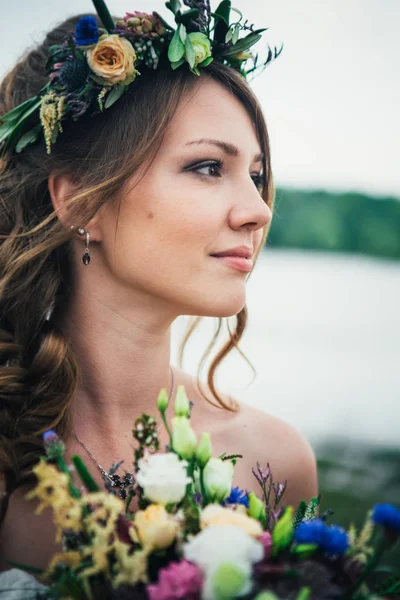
38,371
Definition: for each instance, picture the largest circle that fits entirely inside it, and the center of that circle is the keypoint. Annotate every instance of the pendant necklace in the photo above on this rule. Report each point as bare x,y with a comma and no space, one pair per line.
115,480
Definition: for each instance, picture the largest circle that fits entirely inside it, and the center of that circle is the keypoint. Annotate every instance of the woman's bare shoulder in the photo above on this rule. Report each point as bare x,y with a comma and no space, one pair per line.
258,436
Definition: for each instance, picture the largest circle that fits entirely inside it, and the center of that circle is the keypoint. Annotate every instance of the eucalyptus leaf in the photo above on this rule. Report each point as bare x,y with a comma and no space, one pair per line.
29,137
114,95
242,45
189,51
176,49
177,64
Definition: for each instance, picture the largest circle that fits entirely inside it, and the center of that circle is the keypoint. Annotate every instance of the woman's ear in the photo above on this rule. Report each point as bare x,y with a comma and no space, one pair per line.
61,187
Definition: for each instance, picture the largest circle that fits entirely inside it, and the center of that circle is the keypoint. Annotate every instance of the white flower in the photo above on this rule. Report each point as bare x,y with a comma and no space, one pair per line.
218,545
163,478
217,479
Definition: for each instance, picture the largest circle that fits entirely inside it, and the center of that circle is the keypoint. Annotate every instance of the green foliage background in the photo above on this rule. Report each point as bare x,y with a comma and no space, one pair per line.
338,222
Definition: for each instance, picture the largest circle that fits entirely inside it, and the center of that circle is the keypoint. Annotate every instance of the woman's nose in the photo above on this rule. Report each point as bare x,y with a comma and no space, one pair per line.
249,209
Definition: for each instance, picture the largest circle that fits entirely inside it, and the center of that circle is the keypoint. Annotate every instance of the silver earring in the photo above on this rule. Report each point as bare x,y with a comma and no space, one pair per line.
86,256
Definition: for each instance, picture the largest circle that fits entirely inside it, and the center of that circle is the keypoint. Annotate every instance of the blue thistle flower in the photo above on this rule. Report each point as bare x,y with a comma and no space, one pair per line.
387,515
86,31
333,540
50,436
238,496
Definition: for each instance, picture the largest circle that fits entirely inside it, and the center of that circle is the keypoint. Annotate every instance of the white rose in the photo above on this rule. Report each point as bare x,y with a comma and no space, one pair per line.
163,478
217,479
221,544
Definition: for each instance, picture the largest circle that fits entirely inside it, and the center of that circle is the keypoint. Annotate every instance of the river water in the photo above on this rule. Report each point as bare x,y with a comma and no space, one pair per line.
324,337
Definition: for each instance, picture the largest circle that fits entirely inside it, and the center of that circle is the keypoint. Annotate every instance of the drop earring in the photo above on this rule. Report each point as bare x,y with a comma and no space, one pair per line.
86,256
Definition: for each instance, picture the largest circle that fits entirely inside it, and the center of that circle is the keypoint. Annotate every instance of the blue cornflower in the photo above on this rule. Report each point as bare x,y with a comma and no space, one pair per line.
238,496
310,532
387,515
86,31
332,540
335,540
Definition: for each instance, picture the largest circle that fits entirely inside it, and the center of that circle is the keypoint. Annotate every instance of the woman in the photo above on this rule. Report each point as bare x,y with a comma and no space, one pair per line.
120,226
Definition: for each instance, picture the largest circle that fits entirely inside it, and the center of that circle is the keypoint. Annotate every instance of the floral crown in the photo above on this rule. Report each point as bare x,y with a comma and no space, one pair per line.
90,70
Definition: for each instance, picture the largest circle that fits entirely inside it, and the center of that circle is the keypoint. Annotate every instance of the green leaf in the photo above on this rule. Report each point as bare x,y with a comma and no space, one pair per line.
114,95
29,137
189,52
173,6
84,474
304,550
304,593
104,14
163,21
242,45
25,567
236,32
187,16
177,64
195,70
182,33
221,16
12,124
206,61
228,36
16,112
237,11
299,514
176,49
282,533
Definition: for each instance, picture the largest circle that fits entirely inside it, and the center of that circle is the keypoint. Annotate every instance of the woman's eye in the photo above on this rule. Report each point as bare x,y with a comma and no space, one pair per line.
213,168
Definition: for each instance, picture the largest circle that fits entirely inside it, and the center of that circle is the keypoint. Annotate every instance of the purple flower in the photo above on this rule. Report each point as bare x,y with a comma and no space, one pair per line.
387,515
86,31
238,496
50,437
180,580
332,540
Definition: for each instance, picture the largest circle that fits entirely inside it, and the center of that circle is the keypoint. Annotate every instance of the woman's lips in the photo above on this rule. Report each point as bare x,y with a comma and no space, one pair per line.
237,262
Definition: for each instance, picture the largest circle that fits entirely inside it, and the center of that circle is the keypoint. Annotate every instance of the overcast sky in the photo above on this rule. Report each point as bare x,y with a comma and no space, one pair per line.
331,99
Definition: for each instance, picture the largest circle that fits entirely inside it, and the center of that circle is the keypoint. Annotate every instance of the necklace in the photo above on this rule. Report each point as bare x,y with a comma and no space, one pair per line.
114,479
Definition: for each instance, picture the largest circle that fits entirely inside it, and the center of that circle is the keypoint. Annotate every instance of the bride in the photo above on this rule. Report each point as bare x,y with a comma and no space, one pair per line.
122,225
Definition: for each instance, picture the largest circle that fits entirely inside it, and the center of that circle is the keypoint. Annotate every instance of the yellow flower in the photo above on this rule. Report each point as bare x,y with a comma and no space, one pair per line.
106,508
113,58
155,527
214,514
71,559
131,568
52,490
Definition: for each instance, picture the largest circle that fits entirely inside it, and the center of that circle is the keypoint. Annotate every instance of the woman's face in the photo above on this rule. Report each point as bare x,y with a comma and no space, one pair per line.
195,200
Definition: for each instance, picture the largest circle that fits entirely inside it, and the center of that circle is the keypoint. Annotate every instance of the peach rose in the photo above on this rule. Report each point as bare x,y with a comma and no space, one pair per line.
156,529
214,514
113,58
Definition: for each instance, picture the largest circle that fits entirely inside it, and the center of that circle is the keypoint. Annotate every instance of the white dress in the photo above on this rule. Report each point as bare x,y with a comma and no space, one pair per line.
16,584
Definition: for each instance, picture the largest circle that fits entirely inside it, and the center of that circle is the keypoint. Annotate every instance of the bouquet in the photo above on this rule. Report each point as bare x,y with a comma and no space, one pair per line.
196,537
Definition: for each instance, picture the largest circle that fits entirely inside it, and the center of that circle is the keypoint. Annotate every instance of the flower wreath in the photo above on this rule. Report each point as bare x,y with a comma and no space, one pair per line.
90,70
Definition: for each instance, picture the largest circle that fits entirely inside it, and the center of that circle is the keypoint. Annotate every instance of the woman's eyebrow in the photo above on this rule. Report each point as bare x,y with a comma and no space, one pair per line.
227,147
